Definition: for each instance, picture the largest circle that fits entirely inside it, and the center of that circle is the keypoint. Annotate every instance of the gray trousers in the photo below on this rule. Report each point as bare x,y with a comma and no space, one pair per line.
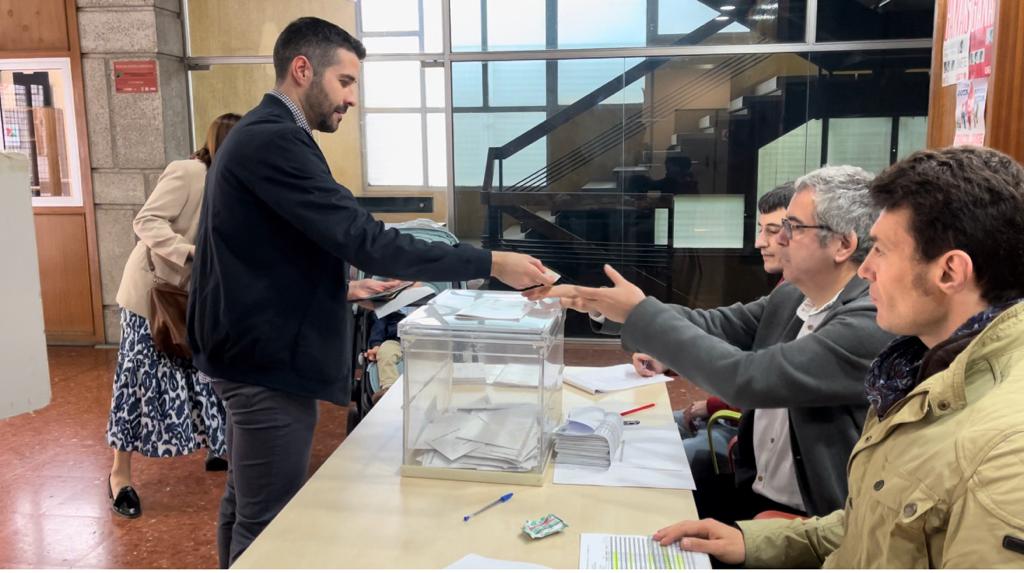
269,436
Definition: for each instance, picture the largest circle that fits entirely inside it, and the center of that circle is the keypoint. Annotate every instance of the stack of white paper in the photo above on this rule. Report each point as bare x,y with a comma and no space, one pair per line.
651,456
590,437
485,438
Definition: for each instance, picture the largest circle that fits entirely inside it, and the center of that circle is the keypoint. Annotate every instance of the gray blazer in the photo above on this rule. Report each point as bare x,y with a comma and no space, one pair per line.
748,355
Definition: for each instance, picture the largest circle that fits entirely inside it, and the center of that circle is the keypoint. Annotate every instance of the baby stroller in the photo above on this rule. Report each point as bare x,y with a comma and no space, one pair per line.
366,375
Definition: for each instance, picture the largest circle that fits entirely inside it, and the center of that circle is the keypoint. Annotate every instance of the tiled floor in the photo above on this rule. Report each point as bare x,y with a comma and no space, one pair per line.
54,511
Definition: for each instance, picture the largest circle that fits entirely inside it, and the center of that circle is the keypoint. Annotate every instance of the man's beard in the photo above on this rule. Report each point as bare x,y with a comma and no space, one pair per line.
320,108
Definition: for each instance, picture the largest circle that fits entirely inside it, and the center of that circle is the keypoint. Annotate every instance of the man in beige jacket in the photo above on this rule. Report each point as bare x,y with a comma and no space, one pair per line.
936,477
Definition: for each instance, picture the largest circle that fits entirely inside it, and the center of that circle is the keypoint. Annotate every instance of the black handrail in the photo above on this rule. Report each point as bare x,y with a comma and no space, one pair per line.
566,164
590,100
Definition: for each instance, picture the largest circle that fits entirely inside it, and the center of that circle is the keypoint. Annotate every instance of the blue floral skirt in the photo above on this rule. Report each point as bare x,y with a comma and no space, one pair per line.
160,408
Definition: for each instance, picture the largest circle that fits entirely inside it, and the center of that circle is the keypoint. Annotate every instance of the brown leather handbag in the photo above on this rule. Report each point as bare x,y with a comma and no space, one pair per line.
168,304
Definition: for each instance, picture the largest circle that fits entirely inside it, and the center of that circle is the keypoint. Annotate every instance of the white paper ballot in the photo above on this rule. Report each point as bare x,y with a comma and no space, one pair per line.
496,309
609,378
602,551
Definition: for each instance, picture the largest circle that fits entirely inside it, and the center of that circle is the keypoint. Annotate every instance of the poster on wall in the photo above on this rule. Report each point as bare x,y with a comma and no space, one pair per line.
957,42
954,59
982,34
967,48
971,96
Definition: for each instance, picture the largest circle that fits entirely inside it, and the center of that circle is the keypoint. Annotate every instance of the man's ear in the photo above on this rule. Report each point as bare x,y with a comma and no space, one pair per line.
956,272
301,71
847,246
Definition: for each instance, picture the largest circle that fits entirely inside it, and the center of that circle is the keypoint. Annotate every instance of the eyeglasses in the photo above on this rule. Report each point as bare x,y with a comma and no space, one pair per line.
789,226
769,230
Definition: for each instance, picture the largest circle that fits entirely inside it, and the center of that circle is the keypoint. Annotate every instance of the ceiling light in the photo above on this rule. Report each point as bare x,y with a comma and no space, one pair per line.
726,7
722,18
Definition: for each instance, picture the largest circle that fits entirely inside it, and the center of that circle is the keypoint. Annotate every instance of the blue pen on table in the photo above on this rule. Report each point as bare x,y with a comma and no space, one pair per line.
501,499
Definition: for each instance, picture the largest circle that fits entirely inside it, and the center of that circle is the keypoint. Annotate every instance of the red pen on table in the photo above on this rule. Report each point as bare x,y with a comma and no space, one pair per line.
637,409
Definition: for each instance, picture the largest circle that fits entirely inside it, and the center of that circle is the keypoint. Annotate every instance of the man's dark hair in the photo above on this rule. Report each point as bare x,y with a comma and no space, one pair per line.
316,39
967,198
776,199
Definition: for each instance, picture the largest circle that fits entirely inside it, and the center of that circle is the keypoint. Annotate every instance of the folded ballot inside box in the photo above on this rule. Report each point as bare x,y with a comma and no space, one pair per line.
483,387
590,437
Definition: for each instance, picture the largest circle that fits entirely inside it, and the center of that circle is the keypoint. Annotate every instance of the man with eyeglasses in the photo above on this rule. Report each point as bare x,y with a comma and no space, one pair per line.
771,209
798,356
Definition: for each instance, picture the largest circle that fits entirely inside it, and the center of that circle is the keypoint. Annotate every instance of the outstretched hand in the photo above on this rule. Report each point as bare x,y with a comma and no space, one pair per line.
615,302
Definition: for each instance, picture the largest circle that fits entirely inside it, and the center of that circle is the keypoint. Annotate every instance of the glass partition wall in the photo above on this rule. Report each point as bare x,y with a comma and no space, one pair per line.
638,133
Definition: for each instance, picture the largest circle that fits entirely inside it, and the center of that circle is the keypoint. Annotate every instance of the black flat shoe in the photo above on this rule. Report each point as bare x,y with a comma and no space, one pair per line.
215,464
127,503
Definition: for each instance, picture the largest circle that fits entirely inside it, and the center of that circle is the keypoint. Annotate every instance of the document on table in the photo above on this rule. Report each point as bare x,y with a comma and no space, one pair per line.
609,378
602,551
651,456
474,561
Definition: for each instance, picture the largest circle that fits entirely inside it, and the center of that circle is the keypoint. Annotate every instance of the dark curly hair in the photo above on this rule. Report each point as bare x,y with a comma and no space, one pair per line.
967,198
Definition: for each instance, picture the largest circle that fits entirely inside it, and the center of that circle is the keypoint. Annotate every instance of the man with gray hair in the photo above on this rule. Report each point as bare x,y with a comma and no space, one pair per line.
798,356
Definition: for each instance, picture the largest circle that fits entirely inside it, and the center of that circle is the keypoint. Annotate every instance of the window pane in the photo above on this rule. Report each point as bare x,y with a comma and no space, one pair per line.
467,84
840,20
466,25
788,157
394,149
437,150
392,45
577,78
517,83
390,15
913,135
476,132
434,78
432,40
757,23
704,222
518,25
391,84
522,24
602,23
860,141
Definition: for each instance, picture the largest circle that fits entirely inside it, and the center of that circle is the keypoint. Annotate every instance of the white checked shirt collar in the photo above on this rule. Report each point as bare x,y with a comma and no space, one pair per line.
300,119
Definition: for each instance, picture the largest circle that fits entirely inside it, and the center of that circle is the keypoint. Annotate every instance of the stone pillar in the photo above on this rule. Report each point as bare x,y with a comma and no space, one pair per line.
132,136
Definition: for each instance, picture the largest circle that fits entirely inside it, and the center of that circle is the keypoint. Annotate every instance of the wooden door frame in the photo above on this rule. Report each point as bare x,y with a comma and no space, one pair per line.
74,54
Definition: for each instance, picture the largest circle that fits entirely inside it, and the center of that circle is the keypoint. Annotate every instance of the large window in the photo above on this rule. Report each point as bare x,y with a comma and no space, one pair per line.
635,132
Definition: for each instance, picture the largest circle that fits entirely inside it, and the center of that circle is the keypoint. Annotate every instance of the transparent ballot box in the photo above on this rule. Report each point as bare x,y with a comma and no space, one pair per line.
483,386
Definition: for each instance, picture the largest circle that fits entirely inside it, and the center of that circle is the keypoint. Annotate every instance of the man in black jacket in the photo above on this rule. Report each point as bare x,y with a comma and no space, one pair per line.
268,320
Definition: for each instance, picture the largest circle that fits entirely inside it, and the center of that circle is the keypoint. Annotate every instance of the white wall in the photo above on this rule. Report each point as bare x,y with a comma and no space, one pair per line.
24,372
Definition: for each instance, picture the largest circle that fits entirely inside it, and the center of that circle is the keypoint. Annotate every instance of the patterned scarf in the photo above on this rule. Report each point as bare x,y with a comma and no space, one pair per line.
906,362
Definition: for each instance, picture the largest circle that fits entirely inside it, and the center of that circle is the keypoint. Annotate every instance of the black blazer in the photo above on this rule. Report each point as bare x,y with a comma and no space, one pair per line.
269,281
